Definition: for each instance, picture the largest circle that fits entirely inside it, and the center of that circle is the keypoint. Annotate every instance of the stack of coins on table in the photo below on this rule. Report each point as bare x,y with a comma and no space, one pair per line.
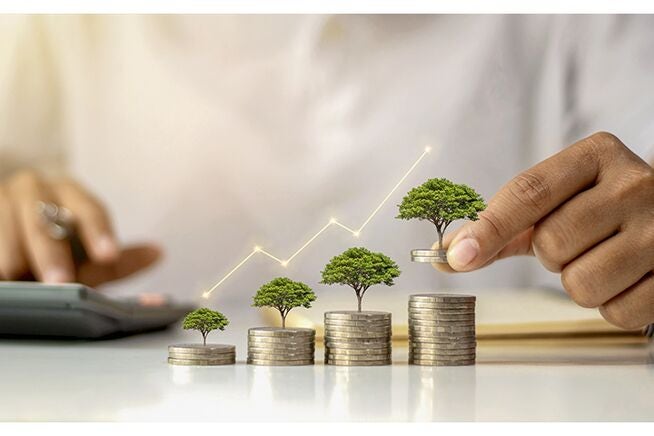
281,346
201,355
358,338
442,329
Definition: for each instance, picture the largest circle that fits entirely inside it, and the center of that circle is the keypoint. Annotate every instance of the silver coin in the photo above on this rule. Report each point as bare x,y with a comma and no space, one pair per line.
447,311
430,352
339,362
346,329
428,252
281,350
269,356
443,297
201,362
278,332
357,345
414,345
268,362
445,346
428,259
347,323
443,329
442,337
258,348
201,356
284,339
440,313
419,305
202,349
338,356
437,321
276,354
436,318
281,345
287,341
430,256
354,315
355,352
429,362
354,337
423,354
425,309
433,339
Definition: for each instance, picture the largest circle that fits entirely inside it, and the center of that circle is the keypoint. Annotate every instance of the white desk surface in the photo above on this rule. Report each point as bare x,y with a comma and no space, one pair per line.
128,379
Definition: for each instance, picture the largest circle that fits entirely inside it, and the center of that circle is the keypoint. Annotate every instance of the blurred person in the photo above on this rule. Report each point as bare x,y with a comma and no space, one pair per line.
210,134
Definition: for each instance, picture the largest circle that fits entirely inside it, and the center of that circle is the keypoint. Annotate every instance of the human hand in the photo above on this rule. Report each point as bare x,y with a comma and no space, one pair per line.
28,251
586,213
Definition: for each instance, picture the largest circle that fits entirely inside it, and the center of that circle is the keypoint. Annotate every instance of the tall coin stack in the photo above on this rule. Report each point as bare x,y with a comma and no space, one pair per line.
442,329
358,338
201,355
281,346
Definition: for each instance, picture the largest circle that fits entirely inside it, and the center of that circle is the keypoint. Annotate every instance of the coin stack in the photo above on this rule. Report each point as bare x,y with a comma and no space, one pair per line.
427,255
442,329
201,355
358,338
281,346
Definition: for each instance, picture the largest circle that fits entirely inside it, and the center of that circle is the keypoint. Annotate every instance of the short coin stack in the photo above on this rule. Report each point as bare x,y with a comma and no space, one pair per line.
425,255
201,355
358,338
281,346
442,329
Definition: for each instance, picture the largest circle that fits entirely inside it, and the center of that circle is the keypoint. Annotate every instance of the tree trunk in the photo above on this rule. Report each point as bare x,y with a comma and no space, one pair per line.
359,298
283,321
204,339
440,240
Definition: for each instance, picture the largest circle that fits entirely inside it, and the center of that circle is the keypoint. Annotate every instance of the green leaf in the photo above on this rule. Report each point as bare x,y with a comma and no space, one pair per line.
360,268
284,294
440,202
205,320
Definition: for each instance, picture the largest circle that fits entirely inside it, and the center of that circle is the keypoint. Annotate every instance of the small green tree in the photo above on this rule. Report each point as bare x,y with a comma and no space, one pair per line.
205,321
441,202
284,294
359,268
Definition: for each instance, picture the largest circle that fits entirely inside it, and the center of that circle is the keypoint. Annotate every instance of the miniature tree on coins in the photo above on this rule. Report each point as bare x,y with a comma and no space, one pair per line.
205,321
359,268
284,294
441,202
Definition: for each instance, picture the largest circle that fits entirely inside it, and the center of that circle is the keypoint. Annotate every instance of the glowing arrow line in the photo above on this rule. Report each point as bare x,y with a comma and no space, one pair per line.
332,222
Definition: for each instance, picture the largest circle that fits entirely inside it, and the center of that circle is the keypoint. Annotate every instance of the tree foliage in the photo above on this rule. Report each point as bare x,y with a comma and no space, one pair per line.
284,294
359,268
205,321
441,202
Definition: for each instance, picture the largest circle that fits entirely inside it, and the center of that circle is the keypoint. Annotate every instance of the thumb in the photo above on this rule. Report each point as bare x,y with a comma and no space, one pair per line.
130,261
472,247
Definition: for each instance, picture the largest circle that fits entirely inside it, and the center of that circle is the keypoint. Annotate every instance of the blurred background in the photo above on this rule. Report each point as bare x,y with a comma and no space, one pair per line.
211,134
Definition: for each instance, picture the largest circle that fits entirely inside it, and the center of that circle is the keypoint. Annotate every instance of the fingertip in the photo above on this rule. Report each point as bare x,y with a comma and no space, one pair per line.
462,254
57,275
442,267
105,249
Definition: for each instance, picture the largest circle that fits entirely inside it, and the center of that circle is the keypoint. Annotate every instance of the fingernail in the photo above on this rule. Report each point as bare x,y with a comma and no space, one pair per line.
462,253
56,275
106,247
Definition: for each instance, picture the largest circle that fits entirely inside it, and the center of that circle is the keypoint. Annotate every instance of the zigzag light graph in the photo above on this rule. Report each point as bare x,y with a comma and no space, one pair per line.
332,222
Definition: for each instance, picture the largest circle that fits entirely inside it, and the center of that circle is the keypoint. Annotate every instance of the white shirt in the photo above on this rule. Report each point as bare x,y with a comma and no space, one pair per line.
213,134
